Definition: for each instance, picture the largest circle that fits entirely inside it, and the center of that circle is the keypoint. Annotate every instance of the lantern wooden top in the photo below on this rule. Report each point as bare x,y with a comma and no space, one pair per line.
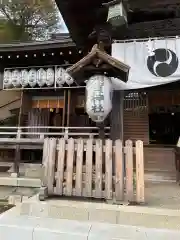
99,62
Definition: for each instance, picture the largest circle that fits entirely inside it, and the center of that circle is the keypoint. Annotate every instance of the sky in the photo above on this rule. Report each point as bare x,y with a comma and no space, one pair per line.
64,28
62,23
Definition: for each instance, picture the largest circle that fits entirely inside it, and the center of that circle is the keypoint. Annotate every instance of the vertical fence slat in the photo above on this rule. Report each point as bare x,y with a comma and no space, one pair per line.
45,160
79,166
45,151
119,165
51,165
108,169
129,170
60,166
139,172
98,170
89,155
69,169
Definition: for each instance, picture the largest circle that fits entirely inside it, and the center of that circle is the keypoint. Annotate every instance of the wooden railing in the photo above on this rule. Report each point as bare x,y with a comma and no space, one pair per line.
32,138
44,131
88,169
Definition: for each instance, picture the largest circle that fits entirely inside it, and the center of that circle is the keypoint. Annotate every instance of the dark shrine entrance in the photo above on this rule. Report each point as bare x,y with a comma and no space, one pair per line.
164,127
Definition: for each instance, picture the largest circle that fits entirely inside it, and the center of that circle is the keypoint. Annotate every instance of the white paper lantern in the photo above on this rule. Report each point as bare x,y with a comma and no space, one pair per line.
41,77
32,78
59,76
50,77
98,97
16,75
24,78
7,79
69,80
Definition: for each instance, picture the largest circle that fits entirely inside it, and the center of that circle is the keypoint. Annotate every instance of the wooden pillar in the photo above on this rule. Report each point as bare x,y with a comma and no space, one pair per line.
64,110
1,76
17,149
116,124
68,107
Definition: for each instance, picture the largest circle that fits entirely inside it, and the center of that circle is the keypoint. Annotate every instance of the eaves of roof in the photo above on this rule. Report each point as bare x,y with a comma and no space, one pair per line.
40,45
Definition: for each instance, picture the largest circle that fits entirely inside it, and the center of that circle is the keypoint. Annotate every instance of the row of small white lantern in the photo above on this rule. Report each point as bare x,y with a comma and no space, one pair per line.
33,77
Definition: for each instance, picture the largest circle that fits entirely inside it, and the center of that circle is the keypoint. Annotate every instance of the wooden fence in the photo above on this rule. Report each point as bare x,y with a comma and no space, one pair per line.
79,167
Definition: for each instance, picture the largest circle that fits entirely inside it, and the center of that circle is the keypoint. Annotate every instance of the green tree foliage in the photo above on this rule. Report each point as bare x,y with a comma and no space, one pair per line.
25,20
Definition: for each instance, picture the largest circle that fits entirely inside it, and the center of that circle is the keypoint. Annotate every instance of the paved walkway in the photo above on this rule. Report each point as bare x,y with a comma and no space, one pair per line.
67,220
31,228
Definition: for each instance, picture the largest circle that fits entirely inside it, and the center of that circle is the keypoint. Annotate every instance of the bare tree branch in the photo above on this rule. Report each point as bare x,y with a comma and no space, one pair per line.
26,19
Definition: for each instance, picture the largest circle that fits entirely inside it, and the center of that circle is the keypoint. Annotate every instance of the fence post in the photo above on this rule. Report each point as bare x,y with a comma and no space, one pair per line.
79,167
66,134
18,133
119,165
60,165
129,170
98,168
108,169
89,167
45,159
41,136
51,165
69,168
139,172
17,159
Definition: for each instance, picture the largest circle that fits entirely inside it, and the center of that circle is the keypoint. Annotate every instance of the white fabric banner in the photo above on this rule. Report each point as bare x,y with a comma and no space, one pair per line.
152,62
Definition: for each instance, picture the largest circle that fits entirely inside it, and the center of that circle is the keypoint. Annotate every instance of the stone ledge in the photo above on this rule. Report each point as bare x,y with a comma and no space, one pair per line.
8,181
104,214
29,182
42,228
119,232
20,182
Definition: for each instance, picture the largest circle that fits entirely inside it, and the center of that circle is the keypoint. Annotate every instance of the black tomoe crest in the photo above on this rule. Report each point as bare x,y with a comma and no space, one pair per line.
164,63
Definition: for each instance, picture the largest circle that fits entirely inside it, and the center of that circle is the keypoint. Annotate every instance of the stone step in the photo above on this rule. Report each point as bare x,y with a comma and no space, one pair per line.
20,182
102,212
32,228
160,176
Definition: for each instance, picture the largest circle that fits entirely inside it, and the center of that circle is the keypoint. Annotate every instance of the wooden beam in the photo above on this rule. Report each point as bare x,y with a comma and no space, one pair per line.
134,4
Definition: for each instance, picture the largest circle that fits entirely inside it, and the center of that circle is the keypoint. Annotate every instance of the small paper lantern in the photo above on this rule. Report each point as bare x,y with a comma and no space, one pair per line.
32,78
41,77
24,78
59,76
98,97
16,75
69,80
50,77
7,79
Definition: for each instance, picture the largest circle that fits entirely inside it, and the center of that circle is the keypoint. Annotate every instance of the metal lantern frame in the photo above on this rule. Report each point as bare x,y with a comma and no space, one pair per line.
117,15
